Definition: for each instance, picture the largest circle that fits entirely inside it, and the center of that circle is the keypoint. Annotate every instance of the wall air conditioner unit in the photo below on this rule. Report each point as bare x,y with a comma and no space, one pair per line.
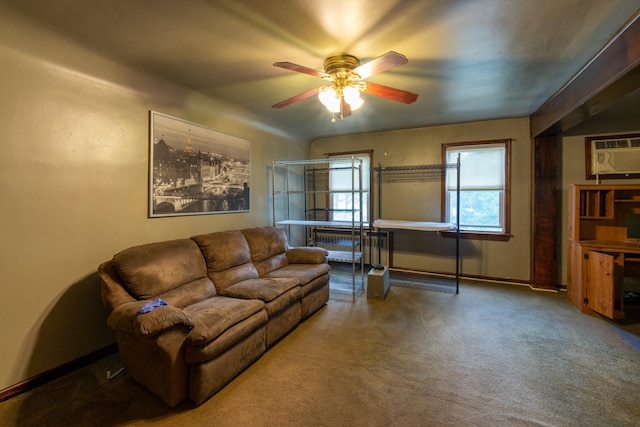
615,156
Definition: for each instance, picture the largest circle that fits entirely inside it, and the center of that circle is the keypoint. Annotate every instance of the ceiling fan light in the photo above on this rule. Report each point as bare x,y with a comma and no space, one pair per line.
329,98
352,96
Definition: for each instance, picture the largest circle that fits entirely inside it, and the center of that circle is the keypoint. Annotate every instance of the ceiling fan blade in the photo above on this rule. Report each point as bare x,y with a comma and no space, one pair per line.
302,69
382,63
390,93
298,97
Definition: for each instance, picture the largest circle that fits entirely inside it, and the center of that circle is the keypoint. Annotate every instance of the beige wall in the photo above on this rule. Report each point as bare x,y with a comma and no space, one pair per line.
505,260
74,166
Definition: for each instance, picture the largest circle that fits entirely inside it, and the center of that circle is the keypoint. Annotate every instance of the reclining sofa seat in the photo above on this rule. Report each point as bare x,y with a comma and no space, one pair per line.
230,269
230,296
256,263
274,258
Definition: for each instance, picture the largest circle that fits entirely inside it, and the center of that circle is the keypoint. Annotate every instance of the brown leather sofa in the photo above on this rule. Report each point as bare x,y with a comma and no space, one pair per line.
229,296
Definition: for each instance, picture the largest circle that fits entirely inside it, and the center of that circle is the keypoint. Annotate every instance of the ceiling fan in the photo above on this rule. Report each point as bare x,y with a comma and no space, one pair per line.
346,77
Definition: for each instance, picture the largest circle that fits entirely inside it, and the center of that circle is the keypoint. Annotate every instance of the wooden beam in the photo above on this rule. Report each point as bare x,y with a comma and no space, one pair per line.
544,225
611,74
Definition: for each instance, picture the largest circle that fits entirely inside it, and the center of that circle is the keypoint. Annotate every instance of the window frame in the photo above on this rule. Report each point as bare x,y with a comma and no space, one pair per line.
505,235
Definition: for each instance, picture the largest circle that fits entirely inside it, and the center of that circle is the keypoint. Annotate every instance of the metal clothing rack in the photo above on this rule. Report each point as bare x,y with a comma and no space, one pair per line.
417,173
299,180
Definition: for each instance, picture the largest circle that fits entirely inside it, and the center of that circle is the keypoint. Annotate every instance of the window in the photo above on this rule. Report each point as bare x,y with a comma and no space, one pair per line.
484,187
343,203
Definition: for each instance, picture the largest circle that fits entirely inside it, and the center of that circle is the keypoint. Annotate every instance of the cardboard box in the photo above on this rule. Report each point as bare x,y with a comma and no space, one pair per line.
378,283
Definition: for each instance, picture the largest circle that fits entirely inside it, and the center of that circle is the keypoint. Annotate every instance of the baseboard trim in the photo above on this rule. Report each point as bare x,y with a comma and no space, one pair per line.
57,372
464,276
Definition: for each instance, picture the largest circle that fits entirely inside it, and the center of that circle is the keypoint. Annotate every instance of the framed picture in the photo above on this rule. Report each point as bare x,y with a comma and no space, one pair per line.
196,170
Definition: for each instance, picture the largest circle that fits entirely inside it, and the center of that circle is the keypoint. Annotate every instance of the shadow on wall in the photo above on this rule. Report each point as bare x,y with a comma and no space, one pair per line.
75,326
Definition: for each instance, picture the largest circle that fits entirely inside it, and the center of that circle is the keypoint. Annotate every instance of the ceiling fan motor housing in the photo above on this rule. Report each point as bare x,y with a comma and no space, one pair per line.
340,63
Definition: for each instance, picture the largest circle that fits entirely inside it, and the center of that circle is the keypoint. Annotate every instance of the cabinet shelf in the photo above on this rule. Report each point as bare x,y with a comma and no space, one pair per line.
596,203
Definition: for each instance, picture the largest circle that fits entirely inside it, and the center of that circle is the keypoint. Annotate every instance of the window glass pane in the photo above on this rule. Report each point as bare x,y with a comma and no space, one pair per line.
342,175
480,168
478,210
342,201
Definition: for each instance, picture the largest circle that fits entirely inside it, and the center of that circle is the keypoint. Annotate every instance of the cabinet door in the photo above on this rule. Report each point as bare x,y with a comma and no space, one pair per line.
601,283
575,290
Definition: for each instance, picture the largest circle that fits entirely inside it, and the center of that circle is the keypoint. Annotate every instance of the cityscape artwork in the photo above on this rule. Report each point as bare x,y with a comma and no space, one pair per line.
196,170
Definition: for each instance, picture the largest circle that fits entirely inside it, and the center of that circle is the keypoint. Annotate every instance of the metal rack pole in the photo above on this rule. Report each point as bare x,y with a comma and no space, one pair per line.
353,223
458,225
380,211
273,193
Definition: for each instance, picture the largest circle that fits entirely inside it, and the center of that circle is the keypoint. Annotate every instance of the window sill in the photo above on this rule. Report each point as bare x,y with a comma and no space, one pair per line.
477,235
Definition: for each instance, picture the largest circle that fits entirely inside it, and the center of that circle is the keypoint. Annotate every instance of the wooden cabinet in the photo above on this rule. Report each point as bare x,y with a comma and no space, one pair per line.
603,260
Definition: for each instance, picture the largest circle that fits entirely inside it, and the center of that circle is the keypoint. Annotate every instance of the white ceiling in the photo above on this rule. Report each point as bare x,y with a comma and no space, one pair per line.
468,60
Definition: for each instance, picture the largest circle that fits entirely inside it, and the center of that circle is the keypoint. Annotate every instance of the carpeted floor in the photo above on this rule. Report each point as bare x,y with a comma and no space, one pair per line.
494,355
344,280
422,281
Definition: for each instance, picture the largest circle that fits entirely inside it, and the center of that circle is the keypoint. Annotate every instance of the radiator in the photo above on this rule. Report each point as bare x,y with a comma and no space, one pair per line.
343,240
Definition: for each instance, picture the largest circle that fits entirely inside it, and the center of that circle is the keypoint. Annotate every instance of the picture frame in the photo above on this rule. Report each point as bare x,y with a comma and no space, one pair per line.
196,170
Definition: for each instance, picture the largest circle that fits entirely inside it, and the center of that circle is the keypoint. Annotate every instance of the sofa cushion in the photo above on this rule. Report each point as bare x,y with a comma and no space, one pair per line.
283,302
265,242
227,257
263,289
305,273
215,315
223,250
189,293
268,247
312,286
270,264
226,278
227,339
307,255
151,269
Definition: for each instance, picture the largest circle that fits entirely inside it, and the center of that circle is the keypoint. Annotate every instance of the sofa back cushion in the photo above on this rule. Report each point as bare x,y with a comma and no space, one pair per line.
268,246
191,293
155,268
227,257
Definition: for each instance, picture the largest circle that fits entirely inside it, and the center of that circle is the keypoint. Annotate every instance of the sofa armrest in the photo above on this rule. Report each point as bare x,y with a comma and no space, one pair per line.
124,318
112,290
307,255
